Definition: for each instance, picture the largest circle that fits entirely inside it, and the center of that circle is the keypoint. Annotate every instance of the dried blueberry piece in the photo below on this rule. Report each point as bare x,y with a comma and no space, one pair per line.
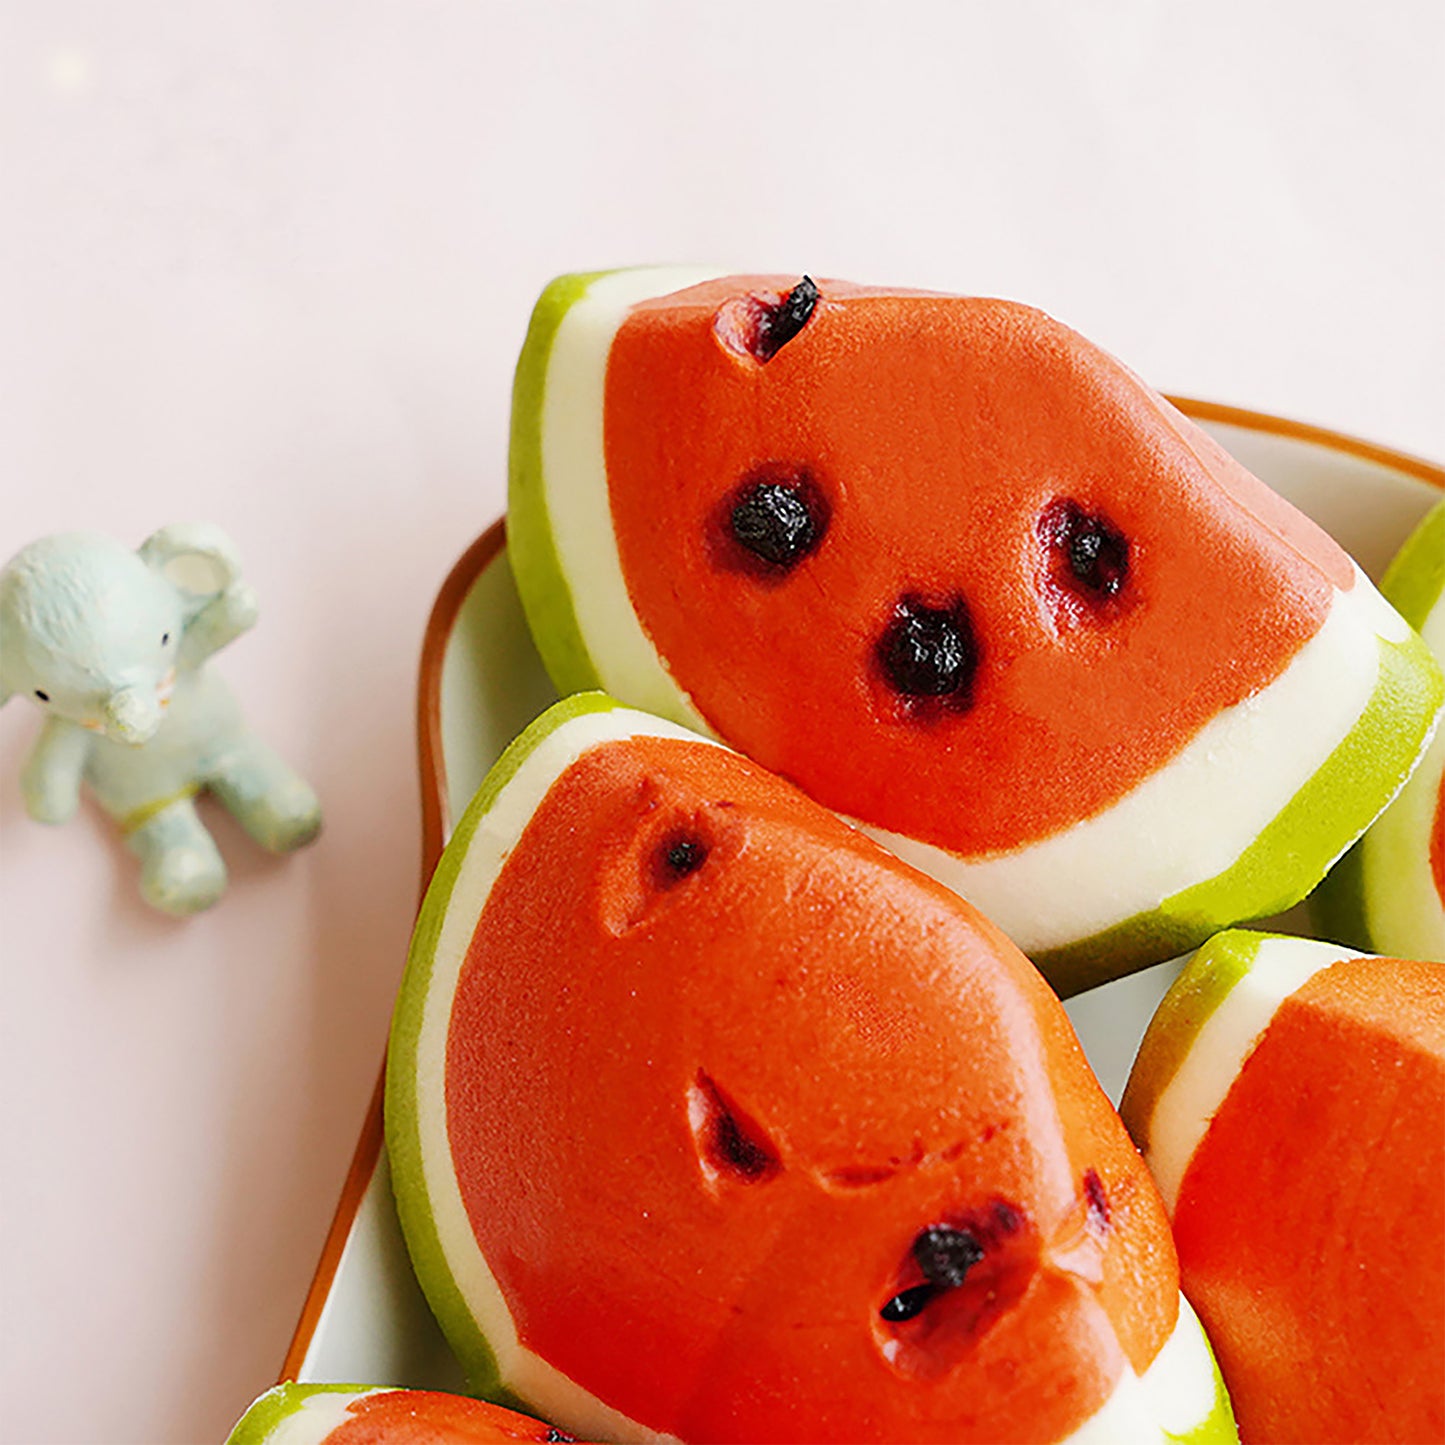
736,1152
1095,554
680,855
907,1304
729,1144
929,651
945,1255
777,325
780,520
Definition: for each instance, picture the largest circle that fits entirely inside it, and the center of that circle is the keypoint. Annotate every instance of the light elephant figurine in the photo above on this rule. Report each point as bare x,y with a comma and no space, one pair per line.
112,644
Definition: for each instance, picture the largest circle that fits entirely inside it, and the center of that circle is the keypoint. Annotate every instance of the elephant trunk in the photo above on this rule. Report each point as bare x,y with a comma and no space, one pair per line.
132,714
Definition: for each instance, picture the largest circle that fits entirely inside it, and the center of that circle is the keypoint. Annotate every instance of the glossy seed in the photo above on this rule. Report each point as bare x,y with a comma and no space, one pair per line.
779,521
907,1304
779,324
945,1255
928,651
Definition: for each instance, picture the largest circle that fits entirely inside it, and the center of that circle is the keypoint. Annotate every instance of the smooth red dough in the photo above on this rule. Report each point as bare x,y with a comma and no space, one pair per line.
892,1062
940,429
1311,1220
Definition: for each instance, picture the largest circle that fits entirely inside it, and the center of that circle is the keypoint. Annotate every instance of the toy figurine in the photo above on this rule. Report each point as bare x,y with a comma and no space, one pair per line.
112,644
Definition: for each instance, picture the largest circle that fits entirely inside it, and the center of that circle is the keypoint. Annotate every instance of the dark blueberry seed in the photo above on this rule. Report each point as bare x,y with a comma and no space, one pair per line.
946,1255
777,521
907,1304
778,325
729,1143
736,1152
683,856
1096,554
928,651
43,696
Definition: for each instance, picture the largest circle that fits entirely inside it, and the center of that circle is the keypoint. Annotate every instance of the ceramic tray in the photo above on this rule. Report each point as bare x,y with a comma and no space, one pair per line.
364,1319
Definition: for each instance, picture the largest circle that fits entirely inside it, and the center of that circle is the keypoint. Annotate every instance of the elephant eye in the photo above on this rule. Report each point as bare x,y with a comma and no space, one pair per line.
43,696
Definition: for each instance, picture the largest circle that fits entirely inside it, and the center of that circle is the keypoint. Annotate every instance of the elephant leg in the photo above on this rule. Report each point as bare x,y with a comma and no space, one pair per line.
270,801
181,868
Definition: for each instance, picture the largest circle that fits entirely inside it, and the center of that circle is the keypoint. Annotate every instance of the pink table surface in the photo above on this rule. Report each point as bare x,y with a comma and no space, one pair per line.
270,264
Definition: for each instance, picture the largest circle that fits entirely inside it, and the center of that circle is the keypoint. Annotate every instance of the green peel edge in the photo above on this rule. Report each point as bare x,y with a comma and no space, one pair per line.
1291,855
280,1402
1340,908
1219,1426
1194,996
1415,578
541,583
403,1133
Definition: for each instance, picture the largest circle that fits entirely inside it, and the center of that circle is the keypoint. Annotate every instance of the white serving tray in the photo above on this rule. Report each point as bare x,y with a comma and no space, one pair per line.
365,1319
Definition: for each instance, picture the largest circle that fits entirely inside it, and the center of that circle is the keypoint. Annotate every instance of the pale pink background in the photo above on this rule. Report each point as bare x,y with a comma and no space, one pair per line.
269,264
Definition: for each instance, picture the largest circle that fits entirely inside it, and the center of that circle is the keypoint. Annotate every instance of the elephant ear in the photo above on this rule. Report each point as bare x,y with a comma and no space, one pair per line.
199,560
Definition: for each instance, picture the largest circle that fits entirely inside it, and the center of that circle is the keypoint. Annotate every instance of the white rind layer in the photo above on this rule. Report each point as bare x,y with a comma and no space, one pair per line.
1174,1395
1189,1102
1403,908
316,1418
497,832
1404,913
1172,1398
1230,781
574,483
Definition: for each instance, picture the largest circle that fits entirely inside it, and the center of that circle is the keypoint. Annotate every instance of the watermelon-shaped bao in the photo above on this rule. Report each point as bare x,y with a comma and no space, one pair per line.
1388,893
710,1120
1290,1099
962,577
293,1414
